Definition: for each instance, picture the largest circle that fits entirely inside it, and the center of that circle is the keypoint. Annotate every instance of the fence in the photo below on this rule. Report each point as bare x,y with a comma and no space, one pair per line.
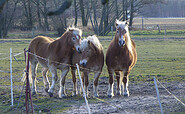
104,74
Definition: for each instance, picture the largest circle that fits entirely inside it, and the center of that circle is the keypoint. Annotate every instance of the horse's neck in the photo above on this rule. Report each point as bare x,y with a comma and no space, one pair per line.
64,44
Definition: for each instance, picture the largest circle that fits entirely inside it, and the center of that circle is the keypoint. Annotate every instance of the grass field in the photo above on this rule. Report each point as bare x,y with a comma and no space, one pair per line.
157,56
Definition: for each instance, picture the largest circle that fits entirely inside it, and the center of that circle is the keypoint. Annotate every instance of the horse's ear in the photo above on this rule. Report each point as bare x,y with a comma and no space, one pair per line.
116,23
126,23
70,30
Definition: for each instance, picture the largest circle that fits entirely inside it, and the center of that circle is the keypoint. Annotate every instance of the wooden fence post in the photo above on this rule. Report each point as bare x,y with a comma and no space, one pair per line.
28,91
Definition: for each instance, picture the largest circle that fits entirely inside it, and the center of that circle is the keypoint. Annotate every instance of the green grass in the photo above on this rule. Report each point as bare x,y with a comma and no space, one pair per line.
164,59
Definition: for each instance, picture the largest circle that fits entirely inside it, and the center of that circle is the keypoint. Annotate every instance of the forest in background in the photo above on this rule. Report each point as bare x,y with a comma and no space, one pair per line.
27,15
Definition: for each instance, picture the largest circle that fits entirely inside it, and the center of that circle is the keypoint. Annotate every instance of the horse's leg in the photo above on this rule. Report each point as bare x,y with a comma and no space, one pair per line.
86,77
118,83
45,79
75,91
53,71
34,64
110,92
82,77
96,77
125,83
62,92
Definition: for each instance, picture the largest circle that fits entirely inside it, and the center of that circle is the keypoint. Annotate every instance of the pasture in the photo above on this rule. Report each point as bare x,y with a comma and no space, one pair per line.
160,57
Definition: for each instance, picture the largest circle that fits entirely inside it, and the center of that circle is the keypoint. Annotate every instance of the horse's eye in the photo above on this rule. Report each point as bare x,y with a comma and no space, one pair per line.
117,32
74,38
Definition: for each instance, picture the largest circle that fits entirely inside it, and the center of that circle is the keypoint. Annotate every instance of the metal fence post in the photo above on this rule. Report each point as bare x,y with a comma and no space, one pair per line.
158,96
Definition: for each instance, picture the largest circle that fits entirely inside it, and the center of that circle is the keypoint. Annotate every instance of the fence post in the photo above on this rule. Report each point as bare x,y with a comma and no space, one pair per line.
142,23
112,31
28,91
11,76
158,96
165,30
89,111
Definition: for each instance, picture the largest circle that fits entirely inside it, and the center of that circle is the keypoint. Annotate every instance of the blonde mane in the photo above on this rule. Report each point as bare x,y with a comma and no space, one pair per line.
76,31
94,40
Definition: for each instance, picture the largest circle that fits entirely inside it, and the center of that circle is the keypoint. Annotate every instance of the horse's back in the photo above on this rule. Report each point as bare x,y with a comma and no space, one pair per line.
39,46
39,43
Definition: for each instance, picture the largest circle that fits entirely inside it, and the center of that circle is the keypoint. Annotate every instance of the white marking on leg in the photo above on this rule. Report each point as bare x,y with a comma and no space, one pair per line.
45,79
86,90
126,92
110,90
62,92
53,71
34,69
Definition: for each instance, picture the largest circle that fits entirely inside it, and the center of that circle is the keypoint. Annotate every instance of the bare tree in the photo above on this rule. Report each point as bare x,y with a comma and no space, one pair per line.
84,15
7,17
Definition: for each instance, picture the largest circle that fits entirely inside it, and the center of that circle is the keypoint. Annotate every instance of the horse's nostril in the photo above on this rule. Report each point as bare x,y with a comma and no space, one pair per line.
83,64
79,51
123,42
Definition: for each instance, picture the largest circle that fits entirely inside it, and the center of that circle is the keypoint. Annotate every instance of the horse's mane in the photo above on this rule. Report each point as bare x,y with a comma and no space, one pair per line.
69,30
76,31
128,42
93,39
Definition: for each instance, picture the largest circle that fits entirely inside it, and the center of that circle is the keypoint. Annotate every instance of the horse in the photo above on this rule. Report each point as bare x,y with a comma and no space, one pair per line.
52,55
120,59
91,59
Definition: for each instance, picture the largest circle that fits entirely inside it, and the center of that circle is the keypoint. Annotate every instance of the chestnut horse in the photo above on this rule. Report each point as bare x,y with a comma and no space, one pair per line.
91,60
53,55
120,58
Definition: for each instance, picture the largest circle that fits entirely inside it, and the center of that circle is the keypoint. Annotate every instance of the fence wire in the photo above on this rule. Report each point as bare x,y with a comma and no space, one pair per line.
170,93
102,73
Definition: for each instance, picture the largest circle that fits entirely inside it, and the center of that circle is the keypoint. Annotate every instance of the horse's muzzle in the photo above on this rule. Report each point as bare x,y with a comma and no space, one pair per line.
121,43
83,63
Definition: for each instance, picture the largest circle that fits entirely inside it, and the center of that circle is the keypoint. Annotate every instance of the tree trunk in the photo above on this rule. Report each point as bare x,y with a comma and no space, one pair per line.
82,13
76,13
46,25
116,8
38,13
131,13
124,10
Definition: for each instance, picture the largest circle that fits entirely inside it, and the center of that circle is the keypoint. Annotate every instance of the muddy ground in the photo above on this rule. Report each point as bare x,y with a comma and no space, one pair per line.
142,99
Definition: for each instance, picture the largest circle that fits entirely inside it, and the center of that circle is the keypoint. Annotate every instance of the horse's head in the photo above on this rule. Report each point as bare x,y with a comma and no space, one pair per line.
121,32
89,47
75,38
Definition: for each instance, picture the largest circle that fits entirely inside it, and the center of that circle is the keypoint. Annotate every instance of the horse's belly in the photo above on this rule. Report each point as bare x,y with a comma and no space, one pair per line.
43,62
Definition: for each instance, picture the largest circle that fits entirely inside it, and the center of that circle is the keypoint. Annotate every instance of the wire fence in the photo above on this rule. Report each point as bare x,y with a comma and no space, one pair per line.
102,73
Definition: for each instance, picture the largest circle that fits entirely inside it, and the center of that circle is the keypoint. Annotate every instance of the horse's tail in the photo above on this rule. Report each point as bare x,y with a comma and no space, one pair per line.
29,75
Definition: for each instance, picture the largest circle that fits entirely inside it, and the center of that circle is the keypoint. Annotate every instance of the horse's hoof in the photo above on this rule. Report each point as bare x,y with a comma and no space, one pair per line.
46,90
74,95
63,96
96,95
110,96
126,95
50,94
34,93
